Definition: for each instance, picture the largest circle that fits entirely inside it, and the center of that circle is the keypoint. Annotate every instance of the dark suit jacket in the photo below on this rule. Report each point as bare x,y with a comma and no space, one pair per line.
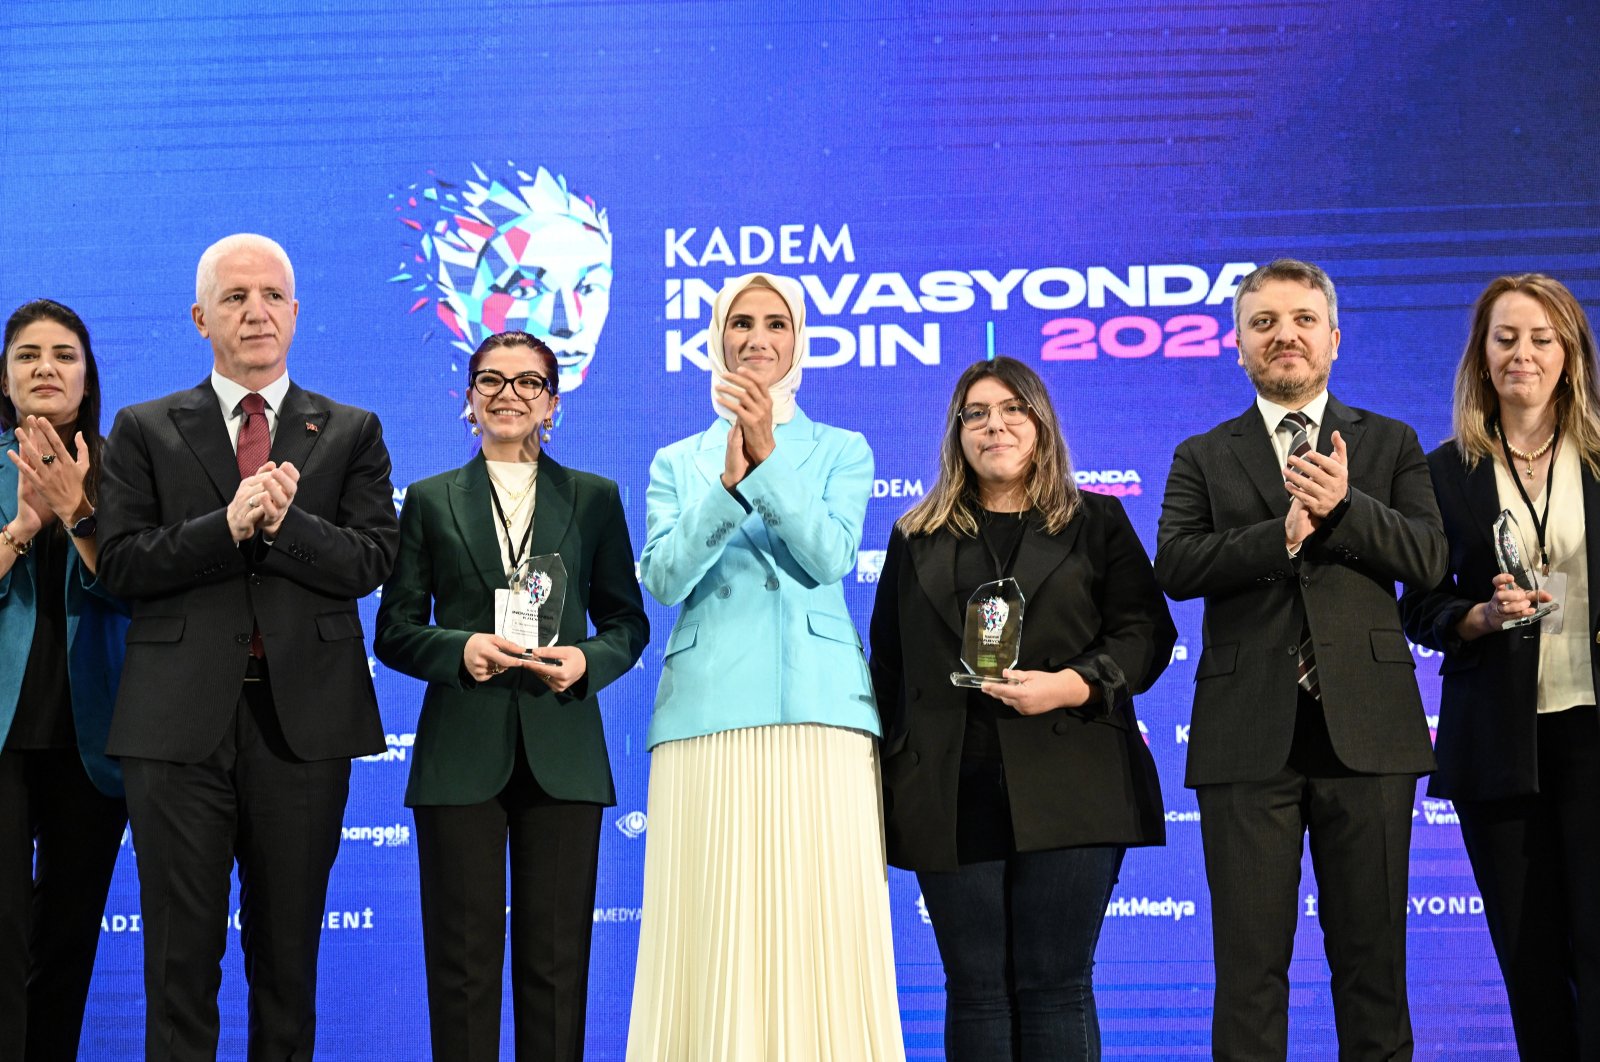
1487,722
170,471
450,564
1222,537
1075,776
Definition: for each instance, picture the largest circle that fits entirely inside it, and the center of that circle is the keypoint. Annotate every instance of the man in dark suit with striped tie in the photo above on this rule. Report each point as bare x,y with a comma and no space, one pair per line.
243,519
1294,520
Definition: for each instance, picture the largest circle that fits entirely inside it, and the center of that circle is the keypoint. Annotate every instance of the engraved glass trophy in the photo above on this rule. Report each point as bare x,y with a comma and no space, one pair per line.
993,636
1510,547
530,612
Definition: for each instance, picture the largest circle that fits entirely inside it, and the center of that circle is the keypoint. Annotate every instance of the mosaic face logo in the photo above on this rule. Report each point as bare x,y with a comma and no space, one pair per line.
516,252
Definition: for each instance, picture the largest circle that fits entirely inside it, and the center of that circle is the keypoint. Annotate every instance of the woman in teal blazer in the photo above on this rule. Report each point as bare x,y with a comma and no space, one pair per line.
510,749
766,920
61,644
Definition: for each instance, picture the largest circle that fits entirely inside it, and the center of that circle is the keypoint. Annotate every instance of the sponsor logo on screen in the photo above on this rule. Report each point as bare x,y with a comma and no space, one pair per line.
1145,907
1437,812
869,564
1423,906
1191,815
897,488
395,836
618,914
398,746
1117,482
133,922
632,825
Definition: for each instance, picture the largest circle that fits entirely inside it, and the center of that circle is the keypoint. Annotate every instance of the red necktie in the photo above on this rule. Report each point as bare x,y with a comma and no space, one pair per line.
255,447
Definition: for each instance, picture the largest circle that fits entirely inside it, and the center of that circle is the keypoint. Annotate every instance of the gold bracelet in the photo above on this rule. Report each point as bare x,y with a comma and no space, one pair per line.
22,549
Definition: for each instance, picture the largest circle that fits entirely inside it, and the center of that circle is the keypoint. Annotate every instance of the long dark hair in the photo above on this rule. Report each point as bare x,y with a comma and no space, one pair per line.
89,409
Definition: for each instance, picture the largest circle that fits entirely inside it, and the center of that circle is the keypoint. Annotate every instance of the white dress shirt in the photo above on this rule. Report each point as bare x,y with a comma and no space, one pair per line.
230,394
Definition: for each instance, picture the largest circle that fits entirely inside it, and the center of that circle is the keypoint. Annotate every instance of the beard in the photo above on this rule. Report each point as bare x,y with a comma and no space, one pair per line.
1289,391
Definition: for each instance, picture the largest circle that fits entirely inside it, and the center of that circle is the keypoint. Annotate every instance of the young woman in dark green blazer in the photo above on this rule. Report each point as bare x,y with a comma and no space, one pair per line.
510,750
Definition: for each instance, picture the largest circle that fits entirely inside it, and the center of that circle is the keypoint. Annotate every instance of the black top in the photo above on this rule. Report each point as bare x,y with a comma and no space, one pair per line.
983,809
44,704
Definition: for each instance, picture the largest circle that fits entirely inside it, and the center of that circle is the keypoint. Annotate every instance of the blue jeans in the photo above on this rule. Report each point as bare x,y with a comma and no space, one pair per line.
1017,939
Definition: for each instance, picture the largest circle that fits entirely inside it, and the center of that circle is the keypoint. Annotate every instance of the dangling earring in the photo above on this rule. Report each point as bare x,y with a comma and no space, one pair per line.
472,419
544,436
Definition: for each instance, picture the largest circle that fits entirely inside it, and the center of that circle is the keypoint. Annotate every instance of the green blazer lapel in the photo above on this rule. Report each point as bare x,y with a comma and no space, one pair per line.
553,508
473,513
198,420
300,424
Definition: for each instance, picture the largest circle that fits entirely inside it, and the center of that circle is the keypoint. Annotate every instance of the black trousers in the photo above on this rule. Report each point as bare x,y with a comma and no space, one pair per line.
251,802
51,901
1537,862
554,851
1360,830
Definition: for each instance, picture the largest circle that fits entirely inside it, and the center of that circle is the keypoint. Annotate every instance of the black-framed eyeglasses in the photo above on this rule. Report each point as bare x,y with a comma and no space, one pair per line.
975,417
489,383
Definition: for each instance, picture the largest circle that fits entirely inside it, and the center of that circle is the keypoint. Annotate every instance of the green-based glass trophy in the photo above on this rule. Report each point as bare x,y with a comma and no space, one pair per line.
993,636
1510,547
530,613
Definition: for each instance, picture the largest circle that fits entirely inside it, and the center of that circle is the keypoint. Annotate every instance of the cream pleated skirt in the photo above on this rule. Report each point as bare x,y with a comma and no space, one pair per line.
765,934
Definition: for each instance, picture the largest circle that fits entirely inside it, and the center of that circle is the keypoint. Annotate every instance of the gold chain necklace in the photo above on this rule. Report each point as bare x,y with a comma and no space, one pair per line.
1525,455
517,499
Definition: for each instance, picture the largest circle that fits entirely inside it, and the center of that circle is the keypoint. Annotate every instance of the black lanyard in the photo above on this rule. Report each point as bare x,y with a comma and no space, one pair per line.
513,560
1539,522
1002,568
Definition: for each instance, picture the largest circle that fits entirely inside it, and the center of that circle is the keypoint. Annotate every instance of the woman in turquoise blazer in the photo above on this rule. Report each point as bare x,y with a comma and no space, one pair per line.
766,921
61,644
510,752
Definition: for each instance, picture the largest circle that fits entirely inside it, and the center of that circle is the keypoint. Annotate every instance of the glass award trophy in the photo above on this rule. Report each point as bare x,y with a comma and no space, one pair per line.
993,635
530,614
1510,547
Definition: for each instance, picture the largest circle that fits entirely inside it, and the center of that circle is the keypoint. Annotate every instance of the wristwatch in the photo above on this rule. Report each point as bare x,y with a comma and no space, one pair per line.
84,528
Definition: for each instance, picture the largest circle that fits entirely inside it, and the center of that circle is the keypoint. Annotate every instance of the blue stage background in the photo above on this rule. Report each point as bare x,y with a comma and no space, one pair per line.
1076,185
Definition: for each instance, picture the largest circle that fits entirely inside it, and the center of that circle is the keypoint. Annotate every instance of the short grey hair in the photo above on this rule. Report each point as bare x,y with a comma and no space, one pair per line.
1288,269
205,274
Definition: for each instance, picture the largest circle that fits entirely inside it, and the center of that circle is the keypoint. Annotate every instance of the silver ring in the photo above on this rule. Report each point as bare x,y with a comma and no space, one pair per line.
48,459
255,502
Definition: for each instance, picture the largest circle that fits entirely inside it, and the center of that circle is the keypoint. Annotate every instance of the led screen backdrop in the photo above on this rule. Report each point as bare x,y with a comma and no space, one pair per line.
1076,185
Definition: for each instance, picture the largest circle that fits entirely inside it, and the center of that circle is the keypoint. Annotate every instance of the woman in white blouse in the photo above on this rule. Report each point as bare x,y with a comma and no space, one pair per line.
1519,739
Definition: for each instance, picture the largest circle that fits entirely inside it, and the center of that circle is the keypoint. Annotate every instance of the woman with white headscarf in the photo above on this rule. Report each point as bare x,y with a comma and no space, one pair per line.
766,914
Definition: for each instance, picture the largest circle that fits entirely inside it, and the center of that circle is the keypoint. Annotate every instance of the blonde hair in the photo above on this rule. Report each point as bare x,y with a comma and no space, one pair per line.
953,502
1577,395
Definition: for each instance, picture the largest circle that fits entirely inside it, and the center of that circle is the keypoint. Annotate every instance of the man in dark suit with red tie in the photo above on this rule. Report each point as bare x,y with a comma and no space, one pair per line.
243,519
1294,521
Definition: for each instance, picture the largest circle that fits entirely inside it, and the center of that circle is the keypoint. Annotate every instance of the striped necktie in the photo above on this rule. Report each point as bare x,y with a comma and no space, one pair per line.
1298,425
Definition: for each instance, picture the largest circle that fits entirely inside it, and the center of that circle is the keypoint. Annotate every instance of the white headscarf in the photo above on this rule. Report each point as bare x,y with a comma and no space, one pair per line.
783,391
